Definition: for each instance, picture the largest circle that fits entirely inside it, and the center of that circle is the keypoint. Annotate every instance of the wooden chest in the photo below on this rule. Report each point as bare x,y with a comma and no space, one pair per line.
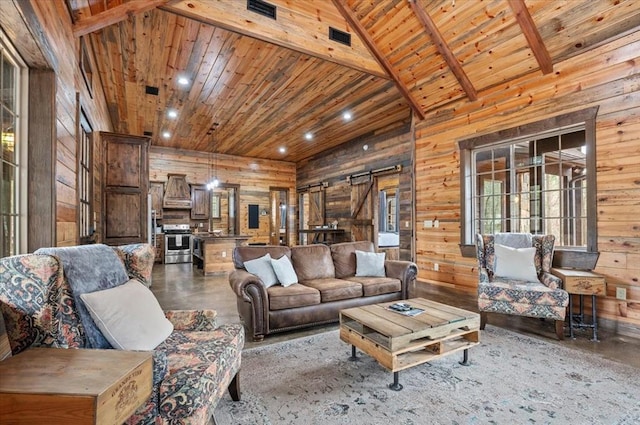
68,386
581,281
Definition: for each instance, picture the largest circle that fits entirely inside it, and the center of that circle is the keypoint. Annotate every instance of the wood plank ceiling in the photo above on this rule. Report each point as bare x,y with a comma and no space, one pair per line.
257,84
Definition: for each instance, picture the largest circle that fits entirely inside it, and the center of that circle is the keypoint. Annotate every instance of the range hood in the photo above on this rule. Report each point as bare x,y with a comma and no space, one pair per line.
178,194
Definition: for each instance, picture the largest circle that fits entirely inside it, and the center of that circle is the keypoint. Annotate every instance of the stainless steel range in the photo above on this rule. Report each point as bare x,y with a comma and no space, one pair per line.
177,243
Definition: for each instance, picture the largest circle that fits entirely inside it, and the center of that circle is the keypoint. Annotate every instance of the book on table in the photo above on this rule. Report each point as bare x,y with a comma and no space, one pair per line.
405,309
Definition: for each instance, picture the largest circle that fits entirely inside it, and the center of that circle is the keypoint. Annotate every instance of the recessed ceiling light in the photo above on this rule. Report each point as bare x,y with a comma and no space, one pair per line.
172,113
347,116
183,81
166,134
282,149
308,135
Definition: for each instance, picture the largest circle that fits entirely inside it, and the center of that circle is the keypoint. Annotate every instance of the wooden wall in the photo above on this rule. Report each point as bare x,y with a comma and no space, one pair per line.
255,177
390,148
607,77
47,43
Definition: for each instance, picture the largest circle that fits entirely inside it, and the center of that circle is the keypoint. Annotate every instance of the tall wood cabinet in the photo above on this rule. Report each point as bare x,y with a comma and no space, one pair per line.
125,188
199,202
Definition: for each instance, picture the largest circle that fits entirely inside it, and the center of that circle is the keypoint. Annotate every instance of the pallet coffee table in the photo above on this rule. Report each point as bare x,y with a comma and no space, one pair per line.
399,342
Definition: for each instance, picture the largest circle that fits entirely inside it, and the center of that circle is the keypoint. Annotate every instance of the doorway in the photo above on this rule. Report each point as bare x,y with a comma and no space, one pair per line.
278,221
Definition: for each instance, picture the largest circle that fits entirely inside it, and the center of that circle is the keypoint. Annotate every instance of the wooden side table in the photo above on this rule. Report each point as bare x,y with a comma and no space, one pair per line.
73,387
581,282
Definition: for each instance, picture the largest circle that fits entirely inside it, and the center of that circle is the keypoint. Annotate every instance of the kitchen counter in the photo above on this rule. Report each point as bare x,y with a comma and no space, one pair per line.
213,254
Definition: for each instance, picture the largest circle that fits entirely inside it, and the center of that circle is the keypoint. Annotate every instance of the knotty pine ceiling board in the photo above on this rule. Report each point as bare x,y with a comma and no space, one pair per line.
265,83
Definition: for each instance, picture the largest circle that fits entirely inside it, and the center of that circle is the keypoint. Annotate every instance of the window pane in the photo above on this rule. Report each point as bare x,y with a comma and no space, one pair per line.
8,189
8,235
7,95
8,135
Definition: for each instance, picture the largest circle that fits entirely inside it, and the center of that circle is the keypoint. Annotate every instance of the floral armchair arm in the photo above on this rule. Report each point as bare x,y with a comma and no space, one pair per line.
192,320
550,281
483,275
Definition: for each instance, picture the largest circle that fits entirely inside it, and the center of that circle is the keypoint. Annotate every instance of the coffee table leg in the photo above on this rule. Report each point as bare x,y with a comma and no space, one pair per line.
465,358
396,386
353,357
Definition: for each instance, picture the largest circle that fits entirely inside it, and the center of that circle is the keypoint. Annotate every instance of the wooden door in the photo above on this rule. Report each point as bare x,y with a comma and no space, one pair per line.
316,207
126,188
364,202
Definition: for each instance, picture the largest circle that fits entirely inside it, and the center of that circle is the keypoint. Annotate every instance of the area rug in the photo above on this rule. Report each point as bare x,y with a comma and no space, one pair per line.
512,379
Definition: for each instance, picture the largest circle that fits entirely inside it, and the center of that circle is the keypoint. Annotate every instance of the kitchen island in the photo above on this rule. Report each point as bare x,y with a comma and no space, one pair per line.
213,254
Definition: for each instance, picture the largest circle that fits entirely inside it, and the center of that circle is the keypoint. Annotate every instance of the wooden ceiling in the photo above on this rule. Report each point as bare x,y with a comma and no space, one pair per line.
258,84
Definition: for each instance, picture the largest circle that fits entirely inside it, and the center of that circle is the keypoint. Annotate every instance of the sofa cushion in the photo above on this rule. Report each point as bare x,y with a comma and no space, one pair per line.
296,295
201,364
344,256
89,268
312,262
129,316
246,253
335,289
377,285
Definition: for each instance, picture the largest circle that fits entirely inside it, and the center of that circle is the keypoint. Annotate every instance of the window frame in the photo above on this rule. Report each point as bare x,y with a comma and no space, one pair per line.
20,160
585,117
84,177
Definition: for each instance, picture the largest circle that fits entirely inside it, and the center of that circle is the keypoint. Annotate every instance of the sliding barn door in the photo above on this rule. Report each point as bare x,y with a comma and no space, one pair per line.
316,207
363,209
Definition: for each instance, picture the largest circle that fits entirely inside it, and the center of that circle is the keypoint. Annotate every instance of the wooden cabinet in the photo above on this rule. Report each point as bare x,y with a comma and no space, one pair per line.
159,246
199,202
125,188
156,189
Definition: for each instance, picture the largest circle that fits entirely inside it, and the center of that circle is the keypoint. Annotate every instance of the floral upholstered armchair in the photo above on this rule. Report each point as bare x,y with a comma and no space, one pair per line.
41,303
515,278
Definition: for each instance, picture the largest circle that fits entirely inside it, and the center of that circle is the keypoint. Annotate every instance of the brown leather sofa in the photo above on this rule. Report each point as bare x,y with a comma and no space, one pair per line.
326,285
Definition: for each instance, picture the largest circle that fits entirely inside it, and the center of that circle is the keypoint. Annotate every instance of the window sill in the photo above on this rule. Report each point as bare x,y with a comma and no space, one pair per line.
575,259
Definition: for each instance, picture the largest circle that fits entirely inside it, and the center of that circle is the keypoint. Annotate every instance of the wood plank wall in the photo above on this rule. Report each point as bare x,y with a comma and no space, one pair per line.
254,176
607,77
385,149
61,50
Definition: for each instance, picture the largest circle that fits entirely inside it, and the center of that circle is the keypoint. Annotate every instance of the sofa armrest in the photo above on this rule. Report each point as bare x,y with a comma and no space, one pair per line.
251,291
405,271
192,320
550,281
483,275
138,259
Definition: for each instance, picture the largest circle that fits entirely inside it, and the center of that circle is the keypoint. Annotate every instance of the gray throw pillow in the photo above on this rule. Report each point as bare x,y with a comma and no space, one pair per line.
262,268
370,264
284,271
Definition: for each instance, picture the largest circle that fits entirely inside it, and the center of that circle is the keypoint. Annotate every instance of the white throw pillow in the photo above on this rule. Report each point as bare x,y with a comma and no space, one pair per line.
284,271
262,268
515,263
370,264
128,316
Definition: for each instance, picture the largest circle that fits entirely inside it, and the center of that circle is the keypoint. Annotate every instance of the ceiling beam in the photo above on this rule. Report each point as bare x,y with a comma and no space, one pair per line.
442,46
532,35
368,41
114,15
293,29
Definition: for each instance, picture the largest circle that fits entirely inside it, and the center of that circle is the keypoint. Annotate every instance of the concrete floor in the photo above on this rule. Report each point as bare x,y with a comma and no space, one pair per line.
181,286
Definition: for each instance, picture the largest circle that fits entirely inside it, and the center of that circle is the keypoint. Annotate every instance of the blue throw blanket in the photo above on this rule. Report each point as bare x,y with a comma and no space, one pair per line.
89,268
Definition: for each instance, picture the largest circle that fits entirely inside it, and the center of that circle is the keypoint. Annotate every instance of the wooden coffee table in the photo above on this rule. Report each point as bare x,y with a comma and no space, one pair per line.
399,342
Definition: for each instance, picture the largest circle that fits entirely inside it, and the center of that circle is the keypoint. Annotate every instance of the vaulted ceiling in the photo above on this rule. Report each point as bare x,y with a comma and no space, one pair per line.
257,84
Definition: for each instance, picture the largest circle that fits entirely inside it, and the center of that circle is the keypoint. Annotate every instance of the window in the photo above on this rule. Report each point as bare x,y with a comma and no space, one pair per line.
12,168
85,180
540,183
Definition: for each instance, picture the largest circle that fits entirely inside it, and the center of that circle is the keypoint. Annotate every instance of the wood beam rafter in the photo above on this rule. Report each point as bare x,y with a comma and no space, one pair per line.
442,46
532,35
368,41
114,15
